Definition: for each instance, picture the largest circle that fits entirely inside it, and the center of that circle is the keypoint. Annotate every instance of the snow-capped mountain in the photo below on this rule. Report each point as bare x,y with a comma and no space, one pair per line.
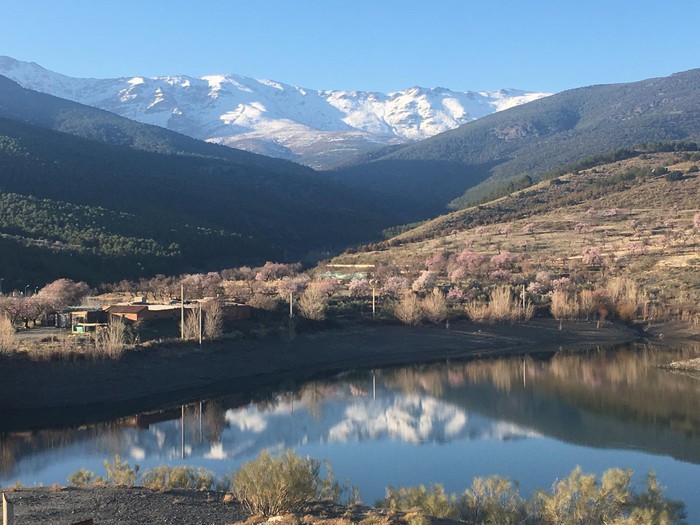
319,128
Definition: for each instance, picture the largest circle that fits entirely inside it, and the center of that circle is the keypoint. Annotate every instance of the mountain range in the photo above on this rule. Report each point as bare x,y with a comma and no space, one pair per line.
320,128
90,195
489,157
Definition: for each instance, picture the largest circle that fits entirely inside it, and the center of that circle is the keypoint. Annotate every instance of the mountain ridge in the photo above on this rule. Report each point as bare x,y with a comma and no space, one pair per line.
498,150
320,128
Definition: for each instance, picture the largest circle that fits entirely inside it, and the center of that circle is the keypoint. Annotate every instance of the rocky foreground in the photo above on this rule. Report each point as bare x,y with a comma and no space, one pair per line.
140,506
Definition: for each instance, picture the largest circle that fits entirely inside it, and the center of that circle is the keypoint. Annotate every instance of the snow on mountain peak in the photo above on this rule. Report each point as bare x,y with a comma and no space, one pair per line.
319,128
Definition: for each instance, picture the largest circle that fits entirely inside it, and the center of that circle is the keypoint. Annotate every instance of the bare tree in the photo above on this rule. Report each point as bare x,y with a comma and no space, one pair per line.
190,331
408,309
313,302
213,320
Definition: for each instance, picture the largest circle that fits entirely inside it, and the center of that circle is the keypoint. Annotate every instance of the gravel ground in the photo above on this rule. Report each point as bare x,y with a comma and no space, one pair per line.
121,506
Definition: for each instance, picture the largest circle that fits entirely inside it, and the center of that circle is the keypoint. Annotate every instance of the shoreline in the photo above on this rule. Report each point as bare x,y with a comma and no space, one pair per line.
47,394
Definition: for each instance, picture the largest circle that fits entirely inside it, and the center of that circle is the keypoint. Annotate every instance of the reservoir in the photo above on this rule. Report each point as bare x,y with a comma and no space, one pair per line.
530,419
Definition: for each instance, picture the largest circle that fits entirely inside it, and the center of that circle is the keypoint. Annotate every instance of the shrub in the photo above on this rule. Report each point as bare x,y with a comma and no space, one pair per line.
581,498
119,472
180,477
477,311
270,485
435,306
111,341
492,500
82,478
578,499
627,298
502,306
433,500
7,334
408,310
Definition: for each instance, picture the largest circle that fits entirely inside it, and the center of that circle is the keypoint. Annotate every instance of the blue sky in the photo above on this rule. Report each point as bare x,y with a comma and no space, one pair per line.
380,45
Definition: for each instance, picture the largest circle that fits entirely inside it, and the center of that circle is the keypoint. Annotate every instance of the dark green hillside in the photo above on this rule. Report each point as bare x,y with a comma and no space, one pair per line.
113,211
530,139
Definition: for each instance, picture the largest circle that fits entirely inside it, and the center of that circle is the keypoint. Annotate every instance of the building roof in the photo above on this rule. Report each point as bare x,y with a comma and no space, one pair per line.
127,309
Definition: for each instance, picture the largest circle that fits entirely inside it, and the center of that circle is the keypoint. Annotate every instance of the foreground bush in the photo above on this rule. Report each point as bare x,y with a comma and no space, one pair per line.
273,485
433,500
180,477
578,499
119,472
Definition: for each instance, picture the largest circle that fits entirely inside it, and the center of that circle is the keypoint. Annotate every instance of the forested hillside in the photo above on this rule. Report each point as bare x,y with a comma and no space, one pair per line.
505,148
140,199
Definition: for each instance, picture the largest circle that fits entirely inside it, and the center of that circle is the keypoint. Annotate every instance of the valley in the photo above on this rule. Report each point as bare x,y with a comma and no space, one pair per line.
509,273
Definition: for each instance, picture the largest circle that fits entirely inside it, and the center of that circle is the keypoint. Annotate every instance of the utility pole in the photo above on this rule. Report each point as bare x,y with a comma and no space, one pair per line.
8,513
291,305
182,311
373,284
200,324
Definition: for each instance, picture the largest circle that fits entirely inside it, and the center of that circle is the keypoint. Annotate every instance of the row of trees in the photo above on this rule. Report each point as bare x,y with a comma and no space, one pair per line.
52,298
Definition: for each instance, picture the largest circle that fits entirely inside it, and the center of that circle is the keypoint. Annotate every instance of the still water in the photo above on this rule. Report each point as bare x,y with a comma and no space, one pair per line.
530,420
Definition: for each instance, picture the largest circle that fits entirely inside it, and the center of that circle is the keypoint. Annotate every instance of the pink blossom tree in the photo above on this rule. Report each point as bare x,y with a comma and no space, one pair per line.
424,283
359,288
63,292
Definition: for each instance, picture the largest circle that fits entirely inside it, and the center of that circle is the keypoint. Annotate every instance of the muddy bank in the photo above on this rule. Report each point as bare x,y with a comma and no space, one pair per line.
54,393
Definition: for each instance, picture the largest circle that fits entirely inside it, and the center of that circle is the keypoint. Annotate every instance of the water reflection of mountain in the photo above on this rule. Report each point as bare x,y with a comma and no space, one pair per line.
602,399
319,413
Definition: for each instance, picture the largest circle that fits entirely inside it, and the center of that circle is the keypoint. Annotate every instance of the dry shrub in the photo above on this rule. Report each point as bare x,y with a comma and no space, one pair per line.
563,306
408,310
433,500
493,500
477,311
502,306
213,320
271,486
119,472
82,478
626,297
313,302
190,329
7,335
111,340
435,306
179,477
